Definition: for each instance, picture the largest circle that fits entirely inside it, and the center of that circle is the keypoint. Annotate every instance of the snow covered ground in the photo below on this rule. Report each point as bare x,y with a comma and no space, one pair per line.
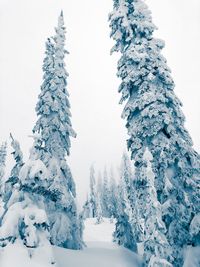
100,251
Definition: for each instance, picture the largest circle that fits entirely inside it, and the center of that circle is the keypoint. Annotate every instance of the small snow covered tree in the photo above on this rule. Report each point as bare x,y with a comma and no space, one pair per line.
157,251
105,195
127,182
99,214
113,195
14,175
93,195
25,221
54,126
123,235
86,208
3,153
154,118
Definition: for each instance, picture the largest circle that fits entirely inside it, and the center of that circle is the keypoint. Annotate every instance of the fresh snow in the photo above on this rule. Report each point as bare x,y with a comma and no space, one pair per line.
100,250
17,255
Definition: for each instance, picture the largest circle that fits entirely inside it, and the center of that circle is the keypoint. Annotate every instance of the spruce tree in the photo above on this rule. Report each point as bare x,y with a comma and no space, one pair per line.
14,175
93,195
86,208
156,247
54,126
113,195
123,234
25,221
99,214
126,211
154,118
3,153
105,195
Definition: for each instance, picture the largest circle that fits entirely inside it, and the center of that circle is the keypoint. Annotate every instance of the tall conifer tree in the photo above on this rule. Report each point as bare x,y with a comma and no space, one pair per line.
154,118
54,126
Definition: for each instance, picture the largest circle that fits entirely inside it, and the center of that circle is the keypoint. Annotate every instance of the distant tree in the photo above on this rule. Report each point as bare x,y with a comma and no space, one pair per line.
93,194
154,118
105,195
86,208
113,195
99,214
54,126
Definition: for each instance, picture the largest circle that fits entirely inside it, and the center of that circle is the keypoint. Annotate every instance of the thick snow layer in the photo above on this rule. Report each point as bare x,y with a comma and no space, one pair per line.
192,258
17,255
98,254
100,251
98,232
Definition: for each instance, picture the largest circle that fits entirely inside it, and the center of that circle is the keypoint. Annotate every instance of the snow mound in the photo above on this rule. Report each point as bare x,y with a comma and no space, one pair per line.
16,255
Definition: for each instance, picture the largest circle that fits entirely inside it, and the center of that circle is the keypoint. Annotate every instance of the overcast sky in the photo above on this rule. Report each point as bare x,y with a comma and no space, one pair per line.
24,27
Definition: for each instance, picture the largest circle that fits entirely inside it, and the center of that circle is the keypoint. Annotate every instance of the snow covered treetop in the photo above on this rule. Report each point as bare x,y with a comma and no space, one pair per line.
53,107
130,19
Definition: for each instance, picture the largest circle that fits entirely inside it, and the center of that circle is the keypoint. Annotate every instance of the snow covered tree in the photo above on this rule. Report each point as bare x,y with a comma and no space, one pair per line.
123,235
86,208
156,247
3,153
93,195
154,118
113,195
99,214
54,126
25,221
14,175
105,195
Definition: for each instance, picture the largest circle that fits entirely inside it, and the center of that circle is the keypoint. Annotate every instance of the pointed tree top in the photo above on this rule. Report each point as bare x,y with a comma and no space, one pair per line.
61,13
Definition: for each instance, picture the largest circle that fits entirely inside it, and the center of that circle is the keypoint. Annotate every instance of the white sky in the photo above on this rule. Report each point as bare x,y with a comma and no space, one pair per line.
24,27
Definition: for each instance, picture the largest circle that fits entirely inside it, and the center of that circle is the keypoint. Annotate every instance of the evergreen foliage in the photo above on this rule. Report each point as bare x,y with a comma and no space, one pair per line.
24,220
3,153
93,194
105,195
123,234
54,126
156,247
155,120
14,175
